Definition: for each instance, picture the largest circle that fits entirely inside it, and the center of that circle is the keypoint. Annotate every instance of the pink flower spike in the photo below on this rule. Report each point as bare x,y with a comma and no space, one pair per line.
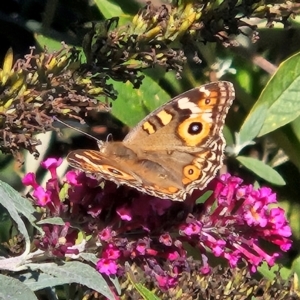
29,179
285,231
107,266
242,191
285,244
43,197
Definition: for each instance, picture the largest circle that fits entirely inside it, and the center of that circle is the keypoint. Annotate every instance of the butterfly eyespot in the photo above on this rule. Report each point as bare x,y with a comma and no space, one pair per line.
191,172
195,128
207,101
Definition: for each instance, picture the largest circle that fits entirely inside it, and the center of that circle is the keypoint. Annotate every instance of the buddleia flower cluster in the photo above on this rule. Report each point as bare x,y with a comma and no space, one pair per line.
162,239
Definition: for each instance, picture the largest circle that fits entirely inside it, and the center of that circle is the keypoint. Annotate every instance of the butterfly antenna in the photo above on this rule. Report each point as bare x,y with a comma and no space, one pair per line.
78,130
109,138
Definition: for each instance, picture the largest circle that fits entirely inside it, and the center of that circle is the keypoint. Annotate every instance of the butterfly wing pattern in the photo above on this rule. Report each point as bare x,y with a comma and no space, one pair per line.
175,149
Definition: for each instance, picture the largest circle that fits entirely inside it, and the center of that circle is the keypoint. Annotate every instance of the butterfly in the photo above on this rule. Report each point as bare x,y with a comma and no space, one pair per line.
175,149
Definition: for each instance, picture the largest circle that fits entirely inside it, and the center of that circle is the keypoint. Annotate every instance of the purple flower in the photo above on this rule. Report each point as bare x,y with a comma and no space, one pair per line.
58,240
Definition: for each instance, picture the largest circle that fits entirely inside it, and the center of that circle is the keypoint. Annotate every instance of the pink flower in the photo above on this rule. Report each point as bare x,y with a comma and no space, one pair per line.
256,215
72,178
166,239
107,266
124,212
111,252
43,197
166,282
192,228
106,234
173,255
141,247
29,179
51,163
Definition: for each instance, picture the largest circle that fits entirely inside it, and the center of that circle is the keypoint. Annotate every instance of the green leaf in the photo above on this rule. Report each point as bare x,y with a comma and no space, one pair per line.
21,204
143,291
270,273
53,221
261,169
109,9
204,197
296,266
12,202
252,124
78,272
11,288
114,280
38,281
296,127
90,257
43,40
133,105
281,96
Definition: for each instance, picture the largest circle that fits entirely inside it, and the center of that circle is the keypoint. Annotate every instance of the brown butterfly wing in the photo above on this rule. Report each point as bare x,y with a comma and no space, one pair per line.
175,149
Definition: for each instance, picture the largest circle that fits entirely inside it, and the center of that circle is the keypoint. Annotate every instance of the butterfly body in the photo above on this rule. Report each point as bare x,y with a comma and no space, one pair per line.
177,148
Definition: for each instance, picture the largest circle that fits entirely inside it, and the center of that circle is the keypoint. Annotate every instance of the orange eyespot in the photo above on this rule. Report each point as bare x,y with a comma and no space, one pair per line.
191,173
